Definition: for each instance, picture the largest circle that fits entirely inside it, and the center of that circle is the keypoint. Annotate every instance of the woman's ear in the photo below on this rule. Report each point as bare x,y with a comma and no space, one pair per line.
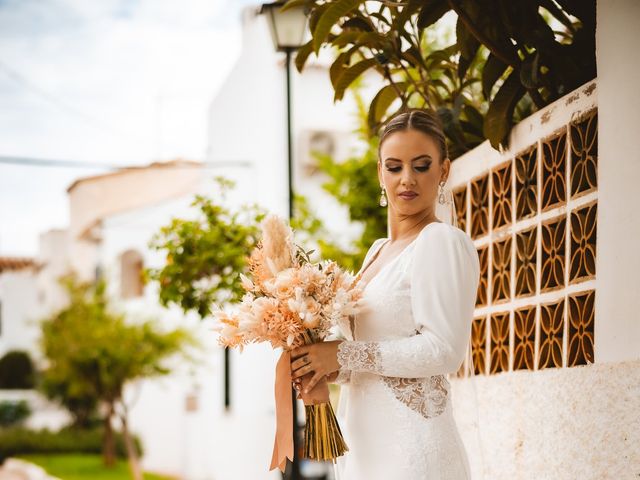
445,169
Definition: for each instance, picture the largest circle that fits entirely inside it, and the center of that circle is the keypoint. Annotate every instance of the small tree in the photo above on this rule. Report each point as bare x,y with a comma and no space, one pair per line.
206,255
93,353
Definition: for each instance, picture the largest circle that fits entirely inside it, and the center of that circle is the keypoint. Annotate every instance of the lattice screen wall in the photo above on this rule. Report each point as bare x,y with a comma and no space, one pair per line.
533,221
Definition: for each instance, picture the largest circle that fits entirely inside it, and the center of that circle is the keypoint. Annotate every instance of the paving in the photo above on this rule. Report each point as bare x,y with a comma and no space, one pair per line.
14,469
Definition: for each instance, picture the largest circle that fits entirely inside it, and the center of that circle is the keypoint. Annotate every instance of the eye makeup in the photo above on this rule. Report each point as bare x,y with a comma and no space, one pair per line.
394,166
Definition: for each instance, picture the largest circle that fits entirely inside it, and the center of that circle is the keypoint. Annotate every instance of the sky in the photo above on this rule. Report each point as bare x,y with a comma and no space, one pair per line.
113,82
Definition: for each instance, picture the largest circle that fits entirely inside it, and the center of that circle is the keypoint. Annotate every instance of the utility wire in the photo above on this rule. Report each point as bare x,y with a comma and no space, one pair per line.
70,110
48,162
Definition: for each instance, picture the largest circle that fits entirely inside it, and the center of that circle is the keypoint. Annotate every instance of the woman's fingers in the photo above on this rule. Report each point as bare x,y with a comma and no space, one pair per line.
312,383
301,382
300,362
299,351
299,372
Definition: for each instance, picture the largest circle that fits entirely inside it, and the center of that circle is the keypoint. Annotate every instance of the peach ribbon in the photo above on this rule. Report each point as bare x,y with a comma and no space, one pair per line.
283,443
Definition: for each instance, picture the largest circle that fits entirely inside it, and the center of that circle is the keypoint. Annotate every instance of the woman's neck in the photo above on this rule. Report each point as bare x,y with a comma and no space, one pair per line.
405,227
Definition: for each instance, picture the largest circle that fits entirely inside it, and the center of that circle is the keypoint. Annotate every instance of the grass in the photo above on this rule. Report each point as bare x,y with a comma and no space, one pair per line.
76,466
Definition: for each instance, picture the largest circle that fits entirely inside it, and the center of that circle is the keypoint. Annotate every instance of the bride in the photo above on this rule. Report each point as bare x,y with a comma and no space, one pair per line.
419,287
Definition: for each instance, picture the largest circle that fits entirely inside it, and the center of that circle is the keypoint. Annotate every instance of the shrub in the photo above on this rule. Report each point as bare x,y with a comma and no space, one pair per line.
12,412
16,371
20,441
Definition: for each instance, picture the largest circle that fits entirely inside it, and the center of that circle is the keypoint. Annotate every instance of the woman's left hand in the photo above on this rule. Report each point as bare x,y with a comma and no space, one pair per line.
320,358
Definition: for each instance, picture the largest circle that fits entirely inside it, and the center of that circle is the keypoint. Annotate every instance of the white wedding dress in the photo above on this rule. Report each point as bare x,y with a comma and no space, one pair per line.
395,406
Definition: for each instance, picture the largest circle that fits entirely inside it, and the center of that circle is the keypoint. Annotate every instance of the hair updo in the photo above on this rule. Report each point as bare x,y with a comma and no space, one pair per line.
423,120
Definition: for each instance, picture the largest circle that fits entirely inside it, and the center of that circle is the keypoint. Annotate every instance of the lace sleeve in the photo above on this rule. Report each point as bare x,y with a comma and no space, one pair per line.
344,376
444,282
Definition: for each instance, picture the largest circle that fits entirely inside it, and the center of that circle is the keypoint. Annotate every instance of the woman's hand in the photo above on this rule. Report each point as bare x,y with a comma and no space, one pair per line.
320,358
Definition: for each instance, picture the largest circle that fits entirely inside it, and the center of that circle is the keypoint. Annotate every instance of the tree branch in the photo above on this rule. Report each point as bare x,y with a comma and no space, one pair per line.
387,74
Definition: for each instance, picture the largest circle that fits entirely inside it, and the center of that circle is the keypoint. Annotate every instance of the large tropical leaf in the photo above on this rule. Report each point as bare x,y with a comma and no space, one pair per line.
340,64
382,101
431,12
302,54
493,69
334,12
357,23
295,3
407,11
468,46
499,118
349,75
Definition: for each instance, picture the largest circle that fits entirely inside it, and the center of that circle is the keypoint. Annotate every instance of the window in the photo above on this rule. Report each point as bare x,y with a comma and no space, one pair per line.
131,282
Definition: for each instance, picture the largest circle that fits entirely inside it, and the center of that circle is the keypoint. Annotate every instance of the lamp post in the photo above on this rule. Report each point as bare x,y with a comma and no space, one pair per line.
287,33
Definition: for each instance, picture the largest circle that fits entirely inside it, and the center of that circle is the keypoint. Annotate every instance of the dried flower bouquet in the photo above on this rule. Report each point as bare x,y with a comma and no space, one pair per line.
290,301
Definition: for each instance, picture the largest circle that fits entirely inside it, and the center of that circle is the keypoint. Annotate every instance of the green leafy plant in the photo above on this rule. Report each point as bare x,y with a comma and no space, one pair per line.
205,255
509,58
16,441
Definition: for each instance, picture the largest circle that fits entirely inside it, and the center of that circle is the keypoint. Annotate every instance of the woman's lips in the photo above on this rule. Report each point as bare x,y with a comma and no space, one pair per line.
408,195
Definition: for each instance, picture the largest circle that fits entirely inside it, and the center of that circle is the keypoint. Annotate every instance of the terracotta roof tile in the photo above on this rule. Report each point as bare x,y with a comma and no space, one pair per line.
15,263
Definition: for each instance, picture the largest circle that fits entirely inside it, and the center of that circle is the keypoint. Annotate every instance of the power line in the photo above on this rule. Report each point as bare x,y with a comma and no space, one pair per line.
48,162
70,110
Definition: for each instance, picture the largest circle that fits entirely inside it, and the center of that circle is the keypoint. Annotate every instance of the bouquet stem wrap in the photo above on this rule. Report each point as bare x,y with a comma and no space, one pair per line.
283,443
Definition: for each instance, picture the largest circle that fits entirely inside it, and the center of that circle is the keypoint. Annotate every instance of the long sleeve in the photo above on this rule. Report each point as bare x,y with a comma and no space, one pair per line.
444,275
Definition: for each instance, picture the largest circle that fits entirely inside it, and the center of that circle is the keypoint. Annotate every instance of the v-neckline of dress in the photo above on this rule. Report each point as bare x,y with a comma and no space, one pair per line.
375,255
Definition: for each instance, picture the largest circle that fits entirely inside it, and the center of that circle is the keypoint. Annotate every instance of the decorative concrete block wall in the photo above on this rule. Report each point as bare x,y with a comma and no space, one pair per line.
536,398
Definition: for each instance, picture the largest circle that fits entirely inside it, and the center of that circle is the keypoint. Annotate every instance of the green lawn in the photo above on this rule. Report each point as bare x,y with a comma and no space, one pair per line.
84,467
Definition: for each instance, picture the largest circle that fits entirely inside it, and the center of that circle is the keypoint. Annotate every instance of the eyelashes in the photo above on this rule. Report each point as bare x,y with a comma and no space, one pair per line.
419,168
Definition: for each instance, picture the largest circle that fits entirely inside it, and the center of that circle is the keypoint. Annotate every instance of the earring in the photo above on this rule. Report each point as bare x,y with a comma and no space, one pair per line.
383,198
441,197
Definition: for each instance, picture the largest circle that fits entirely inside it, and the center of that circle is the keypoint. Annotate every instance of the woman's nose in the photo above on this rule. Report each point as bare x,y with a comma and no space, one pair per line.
407,177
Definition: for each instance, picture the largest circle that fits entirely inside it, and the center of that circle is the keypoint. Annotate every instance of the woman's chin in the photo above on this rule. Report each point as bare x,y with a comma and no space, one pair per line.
409,210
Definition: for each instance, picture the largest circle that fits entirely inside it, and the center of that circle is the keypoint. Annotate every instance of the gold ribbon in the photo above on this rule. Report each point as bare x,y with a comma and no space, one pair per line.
283,443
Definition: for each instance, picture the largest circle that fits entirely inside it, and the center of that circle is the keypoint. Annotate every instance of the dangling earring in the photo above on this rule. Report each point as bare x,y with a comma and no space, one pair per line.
383,198
441,197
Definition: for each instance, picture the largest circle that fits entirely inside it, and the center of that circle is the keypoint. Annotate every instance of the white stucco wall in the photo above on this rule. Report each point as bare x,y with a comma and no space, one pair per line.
555,424
18,295
618,299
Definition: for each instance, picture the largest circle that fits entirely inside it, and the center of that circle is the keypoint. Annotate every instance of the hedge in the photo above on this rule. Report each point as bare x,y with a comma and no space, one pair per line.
19,441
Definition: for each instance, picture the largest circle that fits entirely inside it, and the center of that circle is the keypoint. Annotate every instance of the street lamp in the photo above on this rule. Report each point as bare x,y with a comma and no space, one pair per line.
287,32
